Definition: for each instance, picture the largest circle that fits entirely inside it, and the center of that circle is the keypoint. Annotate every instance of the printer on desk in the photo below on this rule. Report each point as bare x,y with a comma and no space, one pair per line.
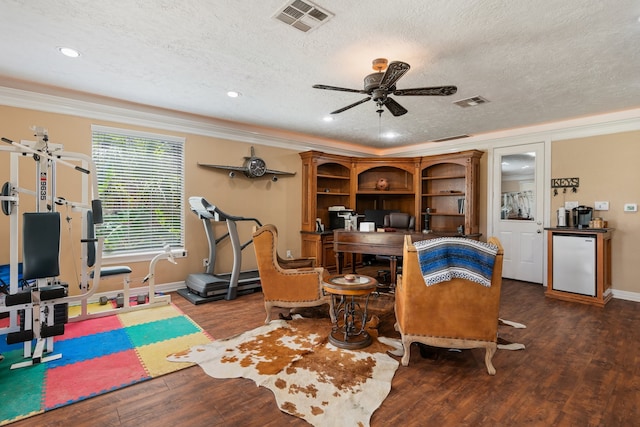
342,217
336,216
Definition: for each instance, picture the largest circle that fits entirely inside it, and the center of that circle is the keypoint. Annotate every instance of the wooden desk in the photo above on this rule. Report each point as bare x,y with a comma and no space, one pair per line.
375,243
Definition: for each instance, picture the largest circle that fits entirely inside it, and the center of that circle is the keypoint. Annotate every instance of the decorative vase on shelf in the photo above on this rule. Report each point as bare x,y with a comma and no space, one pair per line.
382,184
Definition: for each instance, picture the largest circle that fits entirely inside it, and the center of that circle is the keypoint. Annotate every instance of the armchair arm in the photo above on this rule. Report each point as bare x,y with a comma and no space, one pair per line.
296,262
303,269
303,284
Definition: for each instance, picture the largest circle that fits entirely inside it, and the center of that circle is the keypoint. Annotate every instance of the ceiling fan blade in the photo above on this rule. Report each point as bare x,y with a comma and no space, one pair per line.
351,106
427,91
395,70
395,108
342,89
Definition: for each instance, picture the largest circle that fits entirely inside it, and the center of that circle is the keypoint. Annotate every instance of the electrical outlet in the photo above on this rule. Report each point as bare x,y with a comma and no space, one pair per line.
571,205
601,206
205,262
630,207
289,253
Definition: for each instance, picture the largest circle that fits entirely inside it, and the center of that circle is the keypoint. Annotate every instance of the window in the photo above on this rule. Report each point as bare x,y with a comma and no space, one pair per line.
141,186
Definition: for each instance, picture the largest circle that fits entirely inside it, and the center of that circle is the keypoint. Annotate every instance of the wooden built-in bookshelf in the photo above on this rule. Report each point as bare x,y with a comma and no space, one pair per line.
447,184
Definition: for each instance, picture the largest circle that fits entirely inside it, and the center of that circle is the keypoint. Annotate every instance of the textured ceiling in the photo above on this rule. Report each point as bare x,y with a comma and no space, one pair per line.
536,62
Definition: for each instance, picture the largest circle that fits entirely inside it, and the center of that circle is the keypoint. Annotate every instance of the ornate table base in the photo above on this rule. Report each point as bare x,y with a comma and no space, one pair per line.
349,328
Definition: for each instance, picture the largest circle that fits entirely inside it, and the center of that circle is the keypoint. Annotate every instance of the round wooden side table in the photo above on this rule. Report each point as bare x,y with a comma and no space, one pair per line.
350,316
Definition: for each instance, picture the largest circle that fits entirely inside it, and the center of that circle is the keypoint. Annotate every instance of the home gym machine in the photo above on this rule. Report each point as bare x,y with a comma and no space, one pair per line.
209,286
37,302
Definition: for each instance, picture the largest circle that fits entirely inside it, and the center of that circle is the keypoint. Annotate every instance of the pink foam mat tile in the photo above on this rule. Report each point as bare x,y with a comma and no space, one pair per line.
90,326
67,384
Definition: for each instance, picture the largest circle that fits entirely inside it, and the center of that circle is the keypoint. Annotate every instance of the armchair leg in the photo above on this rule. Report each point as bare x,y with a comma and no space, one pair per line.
267,307
490,351
406,344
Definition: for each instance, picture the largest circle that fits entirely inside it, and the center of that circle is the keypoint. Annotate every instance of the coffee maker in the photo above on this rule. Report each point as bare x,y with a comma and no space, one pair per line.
581,216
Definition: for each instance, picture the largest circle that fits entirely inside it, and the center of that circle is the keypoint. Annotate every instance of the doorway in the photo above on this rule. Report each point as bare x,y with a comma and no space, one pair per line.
517,209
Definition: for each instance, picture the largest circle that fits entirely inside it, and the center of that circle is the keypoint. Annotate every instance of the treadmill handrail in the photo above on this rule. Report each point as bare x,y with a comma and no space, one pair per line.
204,209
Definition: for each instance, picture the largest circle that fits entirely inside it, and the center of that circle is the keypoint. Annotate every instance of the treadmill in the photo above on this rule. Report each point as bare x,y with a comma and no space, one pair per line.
209,286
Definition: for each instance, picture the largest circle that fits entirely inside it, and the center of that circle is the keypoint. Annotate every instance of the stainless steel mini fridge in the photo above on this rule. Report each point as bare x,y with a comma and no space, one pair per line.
574,263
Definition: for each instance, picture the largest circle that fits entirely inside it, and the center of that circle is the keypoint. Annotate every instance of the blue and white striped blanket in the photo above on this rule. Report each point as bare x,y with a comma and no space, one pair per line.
445,258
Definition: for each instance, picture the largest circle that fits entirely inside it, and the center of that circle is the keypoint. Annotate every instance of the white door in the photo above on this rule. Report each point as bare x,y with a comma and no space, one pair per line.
518,206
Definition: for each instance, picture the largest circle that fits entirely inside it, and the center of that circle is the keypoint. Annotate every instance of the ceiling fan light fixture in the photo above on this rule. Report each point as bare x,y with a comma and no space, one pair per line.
379,64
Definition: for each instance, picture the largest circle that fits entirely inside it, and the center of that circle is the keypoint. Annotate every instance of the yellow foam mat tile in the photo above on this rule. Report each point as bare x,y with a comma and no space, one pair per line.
152,314
75,310
154,356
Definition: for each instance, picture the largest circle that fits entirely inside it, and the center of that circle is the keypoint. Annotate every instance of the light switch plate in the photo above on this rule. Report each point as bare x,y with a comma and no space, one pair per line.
571,205
630,207
601,206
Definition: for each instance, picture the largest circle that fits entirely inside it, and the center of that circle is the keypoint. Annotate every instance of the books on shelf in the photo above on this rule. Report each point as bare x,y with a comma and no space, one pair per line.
461,206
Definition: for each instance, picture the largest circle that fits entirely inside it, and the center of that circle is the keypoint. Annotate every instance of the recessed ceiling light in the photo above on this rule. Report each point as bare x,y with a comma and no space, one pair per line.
389,135
233,94
69,52
327,119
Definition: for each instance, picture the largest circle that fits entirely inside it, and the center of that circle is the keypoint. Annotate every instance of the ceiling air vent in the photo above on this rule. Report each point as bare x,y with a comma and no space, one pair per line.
302,15
451,138
471,102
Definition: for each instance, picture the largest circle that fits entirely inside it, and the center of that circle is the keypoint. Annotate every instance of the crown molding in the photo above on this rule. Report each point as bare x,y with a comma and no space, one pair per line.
138,115
602,124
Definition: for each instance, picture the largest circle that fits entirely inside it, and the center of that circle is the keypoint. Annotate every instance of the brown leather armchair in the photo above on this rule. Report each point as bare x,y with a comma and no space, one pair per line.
457,313
288,283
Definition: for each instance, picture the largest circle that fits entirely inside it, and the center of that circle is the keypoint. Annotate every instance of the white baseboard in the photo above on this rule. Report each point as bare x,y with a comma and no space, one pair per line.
626,295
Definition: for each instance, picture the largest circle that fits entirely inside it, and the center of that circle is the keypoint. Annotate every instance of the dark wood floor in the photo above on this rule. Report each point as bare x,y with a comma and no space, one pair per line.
581,367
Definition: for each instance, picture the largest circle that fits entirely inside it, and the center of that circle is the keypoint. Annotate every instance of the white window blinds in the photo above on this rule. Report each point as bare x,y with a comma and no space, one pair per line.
141,185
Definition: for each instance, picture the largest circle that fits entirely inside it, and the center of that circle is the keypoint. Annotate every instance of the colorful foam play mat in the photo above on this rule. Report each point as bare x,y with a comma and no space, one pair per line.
98,355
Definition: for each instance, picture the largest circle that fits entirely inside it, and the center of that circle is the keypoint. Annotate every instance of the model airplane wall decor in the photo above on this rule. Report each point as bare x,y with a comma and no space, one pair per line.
253,167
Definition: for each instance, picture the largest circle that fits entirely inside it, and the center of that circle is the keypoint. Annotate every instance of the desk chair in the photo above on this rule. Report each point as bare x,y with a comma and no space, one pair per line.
399,221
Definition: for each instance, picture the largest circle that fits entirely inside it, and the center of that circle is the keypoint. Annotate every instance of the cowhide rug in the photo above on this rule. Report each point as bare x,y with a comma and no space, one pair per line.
310,378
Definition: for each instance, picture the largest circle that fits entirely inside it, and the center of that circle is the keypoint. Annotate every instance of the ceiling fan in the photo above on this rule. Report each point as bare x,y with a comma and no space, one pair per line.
378,86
